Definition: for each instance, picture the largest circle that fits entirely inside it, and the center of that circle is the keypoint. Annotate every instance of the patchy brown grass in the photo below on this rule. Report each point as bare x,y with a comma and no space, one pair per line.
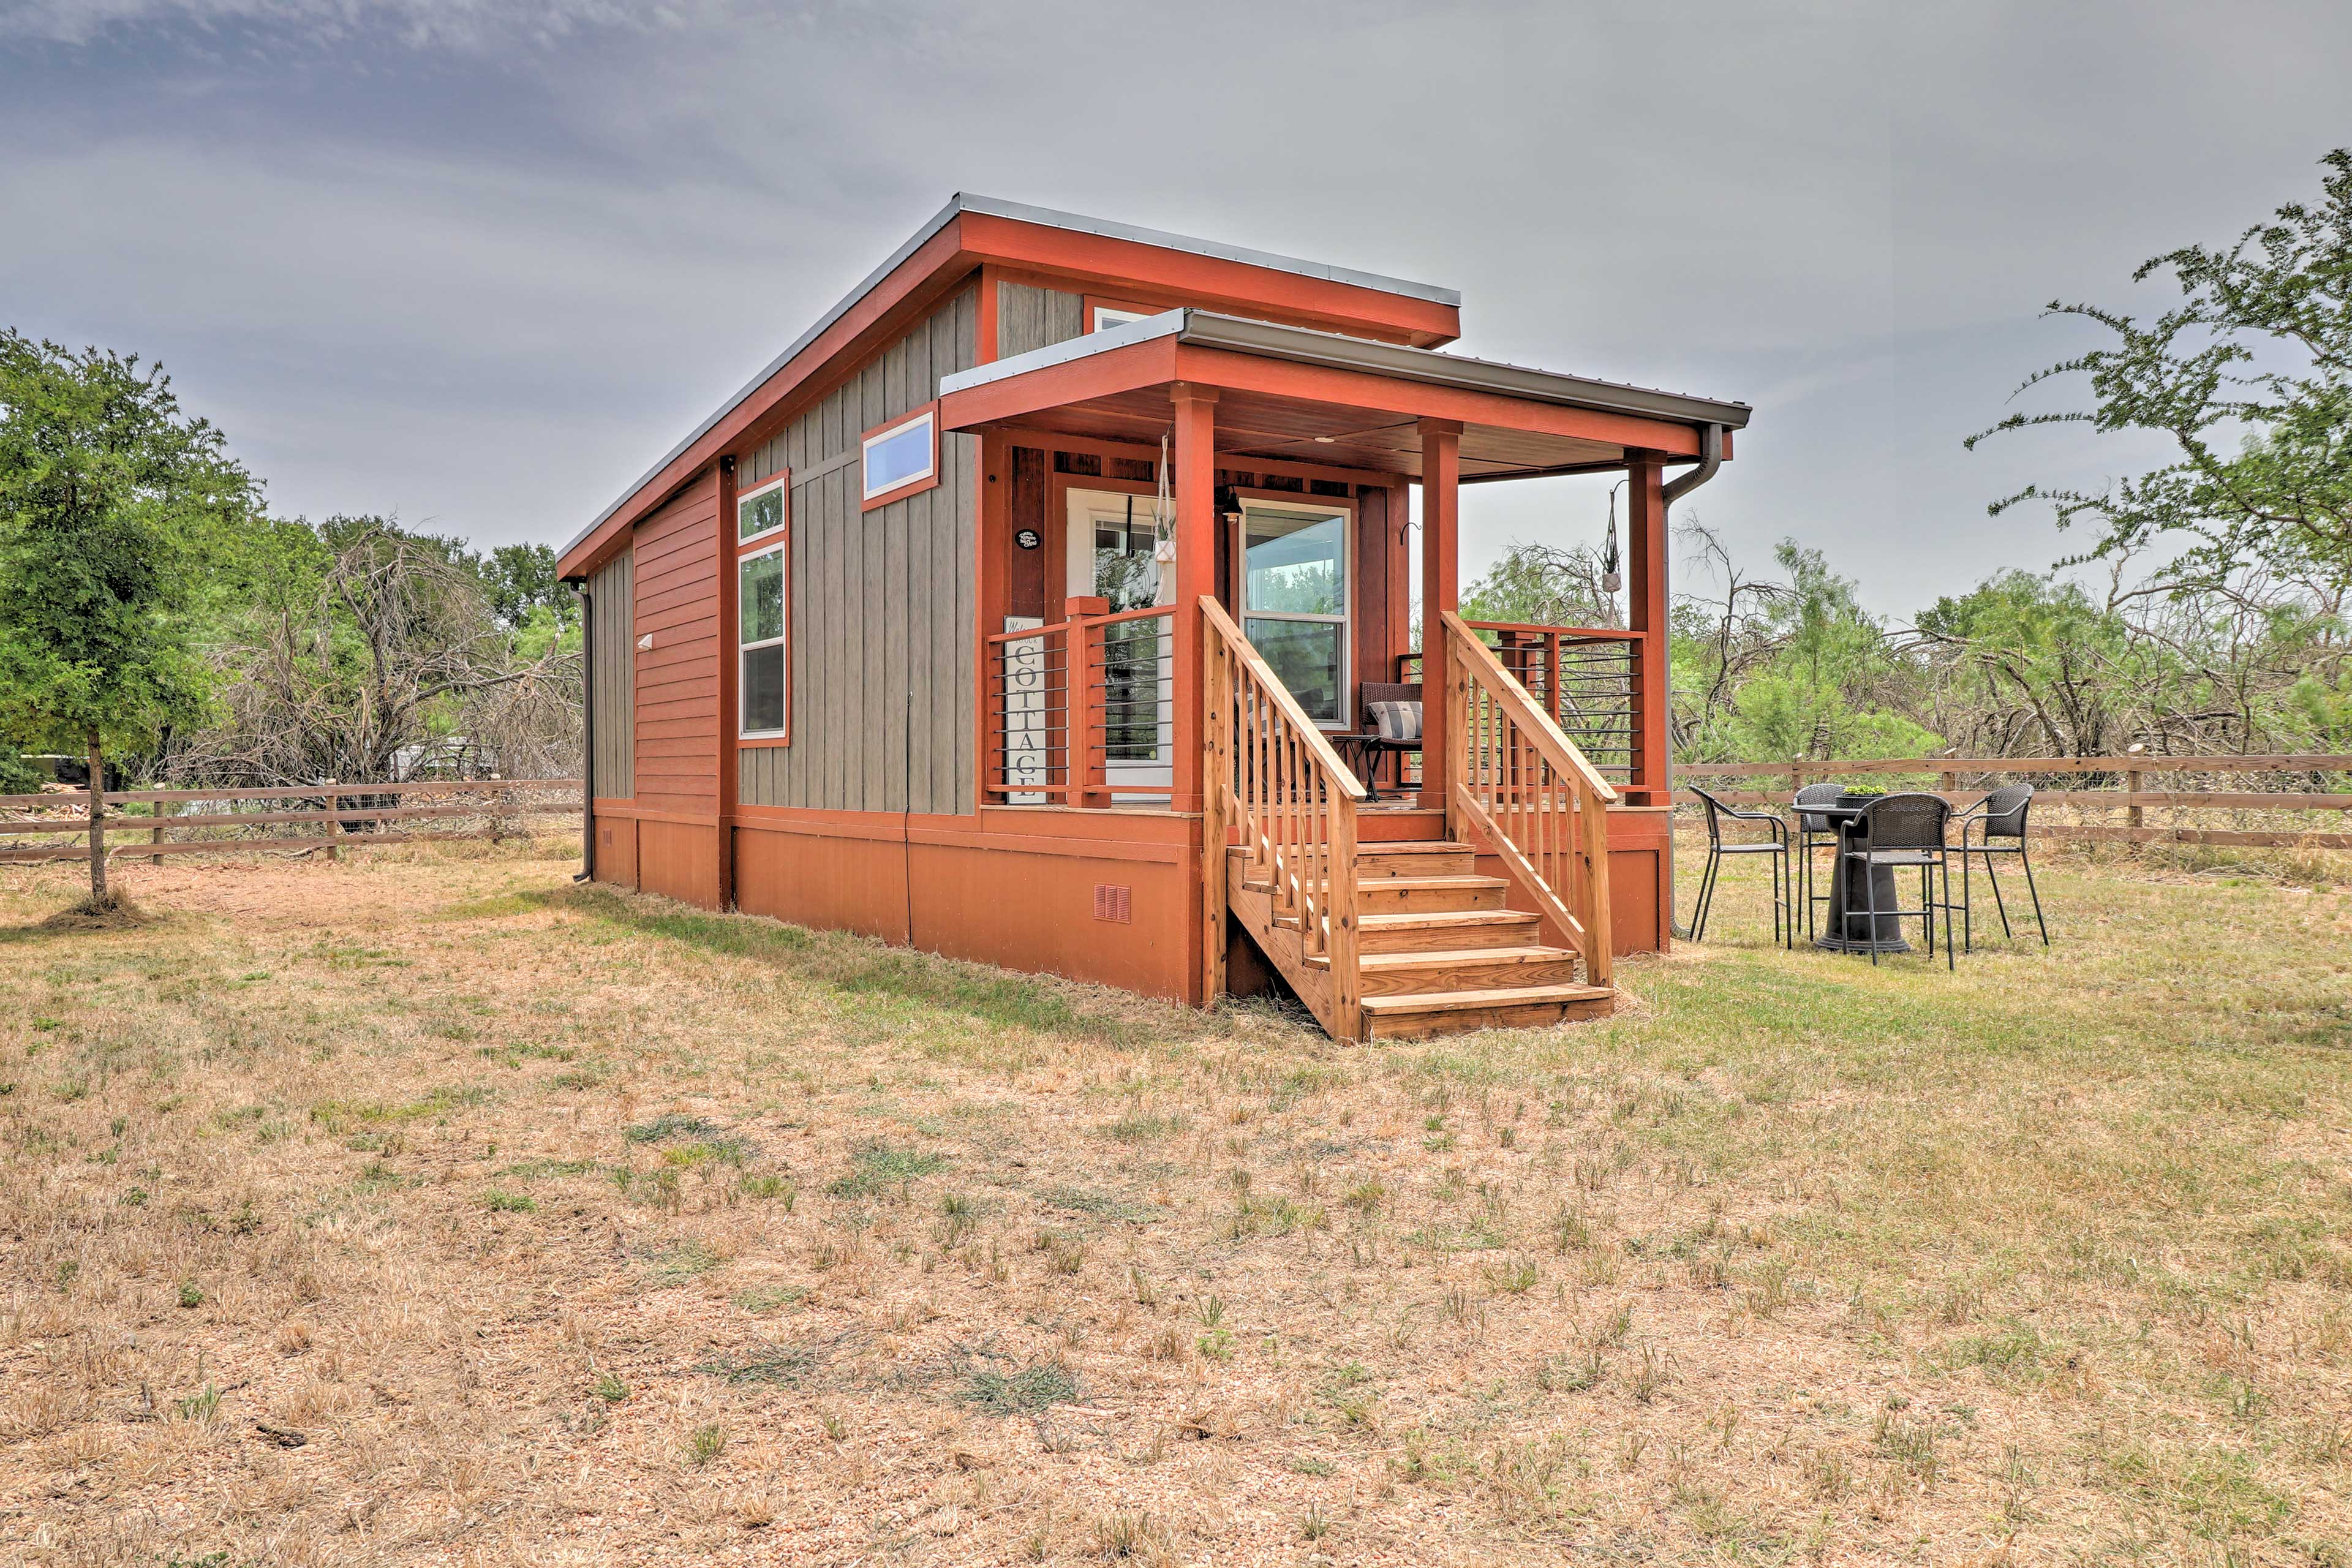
428,1208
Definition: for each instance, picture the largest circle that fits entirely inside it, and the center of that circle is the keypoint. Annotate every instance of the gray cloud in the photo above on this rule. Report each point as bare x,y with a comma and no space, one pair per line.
484,262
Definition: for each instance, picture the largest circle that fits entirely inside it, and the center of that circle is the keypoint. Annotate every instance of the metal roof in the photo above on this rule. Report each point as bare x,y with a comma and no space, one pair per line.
965,202
1304,346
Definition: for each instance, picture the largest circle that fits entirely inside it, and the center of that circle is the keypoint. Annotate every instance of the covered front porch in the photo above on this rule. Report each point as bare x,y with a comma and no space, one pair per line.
1195,574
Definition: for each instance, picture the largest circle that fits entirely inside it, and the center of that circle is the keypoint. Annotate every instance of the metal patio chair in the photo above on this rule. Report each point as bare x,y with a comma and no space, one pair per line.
1814,831
2000,815
1776,844
1900,830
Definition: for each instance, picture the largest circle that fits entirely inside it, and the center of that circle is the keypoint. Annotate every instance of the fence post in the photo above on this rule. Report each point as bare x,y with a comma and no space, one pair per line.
155,835
2132,813
334,819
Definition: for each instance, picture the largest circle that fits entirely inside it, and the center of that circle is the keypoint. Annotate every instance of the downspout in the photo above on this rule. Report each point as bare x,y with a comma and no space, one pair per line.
587,733
1710,460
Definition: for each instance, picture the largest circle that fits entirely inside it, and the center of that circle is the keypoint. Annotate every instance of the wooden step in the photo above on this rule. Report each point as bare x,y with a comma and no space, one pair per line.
1428,895
1414,859
1423,1015
1460,969
1446,931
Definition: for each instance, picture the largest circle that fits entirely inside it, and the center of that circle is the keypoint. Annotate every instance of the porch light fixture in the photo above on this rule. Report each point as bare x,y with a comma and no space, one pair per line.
1229,503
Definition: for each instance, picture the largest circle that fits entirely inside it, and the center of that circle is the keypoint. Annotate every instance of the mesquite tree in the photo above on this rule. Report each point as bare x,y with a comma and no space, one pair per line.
2250,377
112,503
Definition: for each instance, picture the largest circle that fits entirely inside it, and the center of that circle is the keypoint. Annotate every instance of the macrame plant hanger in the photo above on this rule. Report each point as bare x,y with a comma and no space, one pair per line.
1612,578
1164,535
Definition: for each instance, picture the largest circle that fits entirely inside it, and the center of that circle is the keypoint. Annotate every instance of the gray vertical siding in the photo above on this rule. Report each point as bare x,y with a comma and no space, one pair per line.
612,598
883,688
1030,318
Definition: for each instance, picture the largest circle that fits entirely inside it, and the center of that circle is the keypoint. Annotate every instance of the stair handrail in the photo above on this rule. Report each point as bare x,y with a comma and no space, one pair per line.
1269,770
1539,801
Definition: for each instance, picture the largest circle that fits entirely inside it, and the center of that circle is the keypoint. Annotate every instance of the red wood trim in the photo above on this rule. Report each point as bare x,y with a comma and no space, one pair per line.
1121,265
1124,835
1441,585
1146,363
729,656
912,487
986,329
634,812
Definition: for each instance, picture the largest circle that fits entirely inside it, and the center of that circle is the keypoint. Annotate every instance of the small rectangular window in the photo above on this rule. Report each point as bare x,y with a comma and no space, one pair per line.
761,510
761,627
902,454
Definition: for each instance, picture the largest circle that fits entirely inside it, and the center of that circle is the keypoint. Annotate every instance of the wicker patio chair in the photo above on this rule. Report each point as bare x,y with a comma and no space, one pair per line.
1776,844
1900,830
2000,815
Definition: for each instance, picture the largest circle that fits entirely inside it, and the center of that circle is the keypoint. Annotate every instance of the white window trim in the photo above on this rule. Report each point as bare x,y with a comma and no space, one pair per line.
744,650
784,515
1344,620
929,417
1109,316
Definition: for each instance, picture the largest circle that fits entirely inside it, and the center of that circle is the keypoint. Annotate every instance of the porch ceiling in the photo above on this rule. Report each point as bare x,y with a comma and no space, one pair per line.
1285,392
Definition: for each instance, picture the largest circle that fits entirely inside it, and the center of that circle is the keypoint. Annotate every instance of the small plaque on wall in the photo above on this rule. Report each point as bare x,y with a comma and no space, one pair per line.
1027,538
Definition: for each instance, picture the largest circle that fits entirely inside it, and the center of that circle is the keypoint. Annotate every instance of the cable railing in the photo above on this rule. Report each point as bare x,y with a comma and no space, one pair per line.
1533,795
1586,680
1082,713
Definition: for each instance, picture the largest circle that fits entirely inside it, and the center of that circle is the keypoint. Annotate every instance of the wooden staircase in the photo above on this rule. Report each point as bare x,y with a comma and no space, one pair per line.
1437,953
1404,939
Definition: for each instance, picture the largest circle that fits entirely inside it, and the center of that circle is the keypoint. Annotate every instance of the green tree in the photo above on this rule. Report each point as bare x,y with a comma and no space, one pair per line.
2258,358
111,503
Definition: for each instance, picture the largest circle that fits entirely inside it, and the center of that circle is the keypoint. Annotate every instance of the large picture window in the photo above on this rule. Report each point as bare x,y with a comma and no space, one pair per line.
902,458
759,581
1294,600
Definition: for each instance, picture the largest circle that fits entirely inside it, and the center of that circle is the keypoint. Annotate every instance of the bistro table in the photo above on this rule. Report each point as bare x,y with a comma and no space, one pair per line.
1850,896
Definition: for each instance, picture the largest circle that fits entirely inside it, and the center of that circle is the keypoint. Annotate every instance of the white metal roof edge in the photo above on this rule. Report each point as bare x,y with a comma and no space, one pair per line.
1303,345
963,202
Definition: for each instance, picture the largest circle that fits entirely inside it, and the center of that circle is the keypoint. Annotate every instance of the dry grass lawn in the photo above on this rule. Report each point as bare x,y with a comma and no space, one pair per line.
433,1209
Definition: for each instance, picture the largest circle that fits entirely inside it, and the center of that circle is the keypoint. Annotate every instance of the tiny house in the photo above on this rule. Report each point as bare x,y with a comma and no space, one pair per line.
1049,603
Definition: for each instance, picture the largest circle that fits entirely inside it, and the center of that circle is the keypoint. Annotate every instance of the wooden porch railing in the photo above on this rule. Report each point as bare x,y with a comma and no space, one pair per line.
1268,772
1081,713
1586,680
1535,796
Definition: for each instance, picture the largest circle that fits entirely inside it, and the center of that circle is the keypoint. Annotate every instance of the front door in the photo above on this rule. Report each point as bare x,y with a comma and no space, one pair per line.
1112,557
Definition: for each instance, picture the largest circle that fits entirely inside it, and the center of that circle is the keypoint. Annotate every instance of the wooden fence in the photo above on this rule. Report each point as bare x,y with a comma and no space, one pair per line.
205,821
1964,781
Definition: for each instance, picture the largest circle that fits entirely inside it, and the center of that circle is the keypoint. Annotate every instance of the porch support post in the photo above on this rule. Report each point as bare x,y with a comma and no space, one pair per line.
1645,528
1441,589
1195,484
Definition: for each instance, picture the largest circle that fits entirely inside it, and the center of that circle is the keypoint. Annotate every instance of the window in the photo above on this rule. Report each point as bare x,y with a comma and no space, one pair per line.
761,510
1294,600
902,457
760,581
1102,315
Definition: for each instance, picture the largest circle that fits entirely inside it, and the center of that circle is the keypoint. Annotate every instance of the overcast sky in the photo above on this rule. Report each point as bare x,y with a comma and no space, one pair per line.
479,264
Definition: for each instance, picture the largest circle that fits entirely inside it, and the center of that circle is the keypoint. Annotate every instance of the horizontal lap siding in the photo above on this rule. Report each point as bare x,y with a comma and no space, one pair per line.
674,598
612,774
1030,318
881,628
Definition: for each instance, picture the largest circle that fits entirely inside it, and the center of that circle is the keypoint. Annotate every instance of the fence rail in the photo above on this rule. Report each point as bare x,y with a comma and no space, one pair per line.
348,815
1965,780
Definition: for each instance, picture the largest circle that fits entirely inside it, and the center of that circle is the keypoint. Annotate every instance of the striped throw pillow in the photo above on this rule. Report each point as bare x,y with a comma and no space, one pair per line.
1397,721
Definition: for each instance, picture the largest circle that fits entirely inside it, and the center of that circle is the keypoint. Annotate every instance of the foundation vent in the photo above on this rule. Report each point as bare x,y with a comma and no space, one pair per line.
1113,903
